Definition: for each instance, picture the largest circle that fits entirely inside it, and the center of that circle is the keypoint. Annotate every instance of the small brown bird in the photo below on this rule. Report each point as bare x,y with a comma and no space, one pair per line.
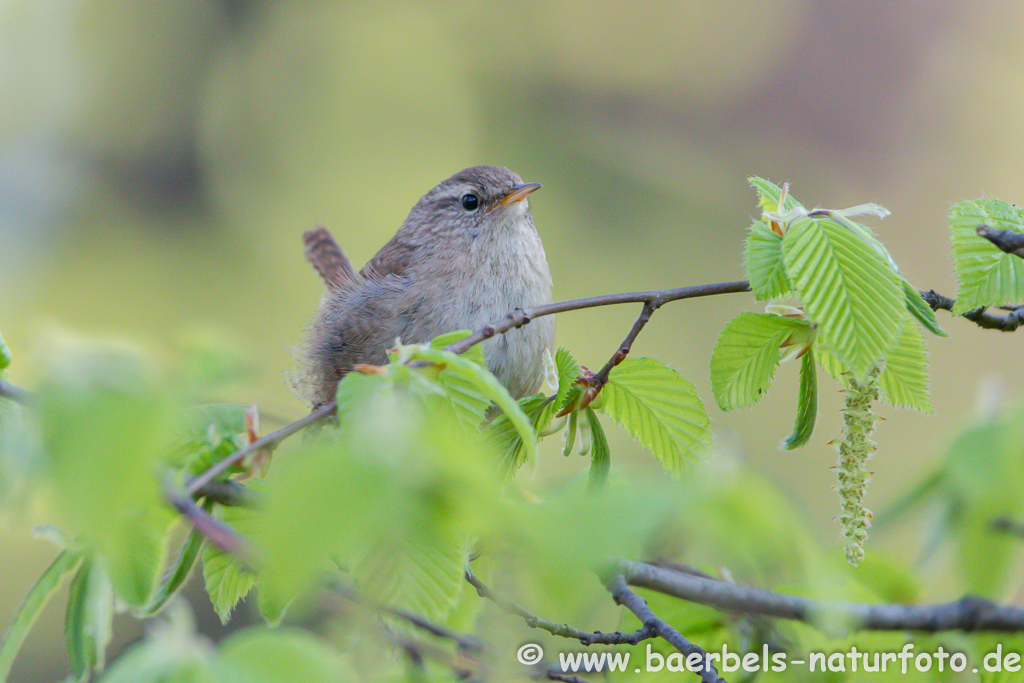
467,254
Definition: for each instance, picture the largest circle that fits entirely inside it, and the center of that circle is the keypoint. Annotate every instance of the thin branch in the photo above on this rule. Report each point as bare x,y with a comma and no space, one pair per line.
969,613
522,316
1009,526
230,493
23,396
1010,241
563,630
553,675
979,316
601,378
638,606
216,532
267,443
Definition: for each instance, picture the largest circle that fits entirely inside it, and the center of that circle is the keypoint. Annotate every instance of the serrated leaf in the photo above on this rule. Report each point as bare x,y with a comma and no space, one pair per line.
848,289
807,404
40,593
273,655
600,453
5,354
766,268
768,194
921,311
475,353
88,618
568,372
904,380
226,580
661,409
988,276
745,357
176,576
510,443
489,386
424,575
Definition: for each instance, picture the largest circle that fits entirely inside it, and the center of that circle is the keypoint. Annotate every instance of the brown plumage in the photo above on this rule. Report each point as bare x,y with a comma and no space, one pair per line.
467,254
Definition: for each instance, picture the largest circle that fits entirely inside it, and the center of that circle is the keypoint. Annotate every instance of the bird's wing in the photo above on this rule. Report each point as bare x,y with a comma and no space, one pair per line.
394,258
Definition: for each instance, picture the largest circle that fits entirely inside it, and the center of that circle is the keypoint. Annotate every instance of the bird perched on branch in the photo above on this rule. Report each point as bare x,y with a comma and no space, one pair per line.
467,254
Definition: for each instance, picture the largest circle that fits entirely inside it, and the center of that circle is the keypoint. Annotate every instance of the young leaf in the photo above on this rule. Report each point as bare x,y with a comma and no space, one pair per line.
489,386
600,454
847,288
175,578
88,618
766,268
987,275
5,354
569,437
768,194
745,357
921,311
475,353
661,409
227,581
807,406
568,371
904,379
510,443
37,597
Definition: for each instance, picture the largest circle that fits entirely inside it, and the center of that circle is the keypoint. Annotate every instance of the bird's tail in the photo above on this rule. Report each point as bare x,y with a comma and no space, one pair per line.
327,257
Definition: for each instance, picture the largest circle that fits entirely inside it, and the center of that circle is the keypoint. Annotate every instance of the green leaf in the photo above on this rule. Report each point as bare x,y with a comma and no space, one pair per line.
807,405
206,434
227,581
745,357
988,276
175,578
105,424
510,443
768,194
423,575
660,409
921,311
600,453
568,373
274,655
489,386
37,597
847,288
904,379
766,268
88,618
5,354
475,353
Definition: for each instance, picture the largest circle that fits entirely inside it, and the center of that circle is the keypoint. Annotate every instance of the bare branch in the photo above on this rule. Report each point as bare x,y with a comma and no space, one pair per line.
969,613
228,492
522,316
638,606
1010,241
216,532
979,316
23,396
563,630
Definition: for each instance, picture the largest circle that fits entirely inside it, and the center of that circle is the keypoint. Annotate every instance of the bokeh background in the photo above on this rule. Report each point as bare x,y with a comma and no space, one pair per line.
160,159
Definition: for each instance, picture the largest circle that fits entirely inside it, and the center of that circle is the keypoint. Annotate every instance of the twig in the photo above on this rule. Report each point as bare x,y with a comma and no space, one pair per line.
216,532
969,613
553,675
23,396
638,606
563,630
522,316
1010,241
229,493
601,378
268,443
1009,526
979,316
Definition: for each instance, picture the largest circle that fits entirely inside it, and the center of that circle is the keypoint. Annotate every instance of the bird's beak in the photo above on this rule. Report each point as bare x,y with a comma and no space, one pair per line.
518,193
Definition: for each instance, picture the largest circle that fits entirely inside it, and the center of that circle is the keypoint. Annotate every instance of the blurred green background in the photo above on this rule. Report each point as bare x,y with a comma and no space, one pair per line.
159,161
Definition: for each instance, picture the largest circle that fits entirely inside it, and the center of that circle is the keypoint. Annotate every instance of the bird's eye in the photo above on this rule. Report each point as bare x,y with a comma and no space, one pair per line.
470,202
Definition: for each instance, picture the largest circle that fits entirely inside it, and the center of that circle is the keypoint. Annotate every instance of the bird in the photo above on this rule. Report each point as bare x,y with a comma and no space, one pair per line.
467,254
